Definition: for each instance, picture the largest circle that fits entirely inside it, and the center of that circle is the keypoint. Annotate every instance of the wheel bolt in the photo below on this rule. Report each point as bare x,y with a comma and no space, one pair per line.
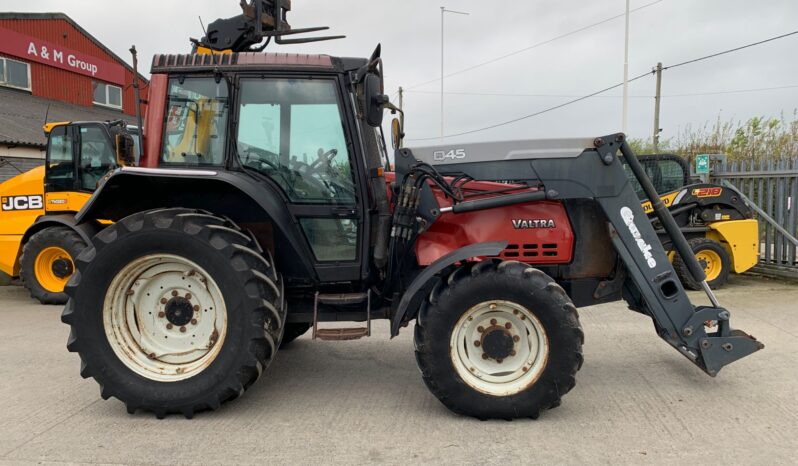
193,321
515,311
493,321
477,343
512,353
525,369
499,360
516,338
188,295
480,329
174,292
493,307
163,301
508,325
182,330
161,314
523,317
196,308
484,356
169,326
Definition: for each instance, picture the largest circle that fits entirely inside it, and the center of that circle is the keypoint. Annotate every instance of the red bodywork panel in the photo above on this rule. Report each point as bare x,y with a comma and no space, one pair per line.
537,241
154,120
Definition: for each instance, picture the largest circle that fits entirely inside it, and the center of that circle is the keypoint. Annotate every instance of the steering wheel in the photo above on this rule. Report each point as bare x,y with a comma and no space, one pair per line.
263,160
324,157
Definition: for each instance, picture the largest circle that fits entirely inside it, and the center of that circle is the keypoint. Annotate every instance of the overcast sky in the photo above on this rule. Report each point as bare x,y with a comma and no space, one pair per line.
669,31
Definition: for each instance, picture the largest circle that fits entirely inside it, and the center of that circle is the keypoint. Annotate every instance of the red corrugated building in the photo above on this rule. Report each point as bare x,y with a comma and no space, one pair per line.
49,65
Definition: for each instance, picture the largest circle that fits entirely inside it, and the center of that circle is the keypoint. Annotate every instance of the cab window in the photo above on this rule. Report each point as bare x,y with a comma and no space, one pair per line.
97,156
291,130
60,172
196,122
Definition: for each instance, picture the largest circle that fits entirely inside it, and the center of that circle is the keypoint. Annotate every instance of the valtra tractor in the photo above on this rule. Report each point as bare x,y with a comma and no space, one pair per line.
282,217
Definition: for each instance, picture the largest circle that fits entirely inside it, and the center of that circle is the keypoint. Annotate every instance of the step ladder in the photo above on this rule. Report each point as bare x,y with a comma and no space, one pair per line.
341,334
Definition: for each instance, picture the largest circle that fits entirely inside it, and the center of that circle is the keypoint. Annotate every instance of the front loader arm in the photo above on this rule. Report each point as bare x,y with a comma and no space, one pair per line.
652,286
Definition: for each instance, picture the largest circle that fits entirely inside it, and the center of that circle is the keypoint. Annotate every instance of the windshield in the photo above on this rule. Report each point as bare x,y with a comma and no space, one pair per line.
195,122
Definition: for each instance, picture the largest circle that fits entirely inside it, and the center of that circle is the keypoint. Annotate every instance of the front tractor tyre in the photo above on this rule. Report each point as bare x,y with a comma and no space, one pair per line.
47,263
174,311
499,340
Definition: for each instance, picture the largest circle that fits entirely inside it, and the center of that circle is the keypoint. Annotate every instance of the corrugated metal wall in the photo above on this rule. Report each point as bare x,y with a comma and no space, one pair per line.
54,83
8,164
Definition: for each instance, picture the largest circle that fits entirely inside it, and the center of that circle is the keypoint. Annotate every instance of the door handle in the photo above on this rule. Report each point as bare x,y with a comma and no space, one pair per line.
345,211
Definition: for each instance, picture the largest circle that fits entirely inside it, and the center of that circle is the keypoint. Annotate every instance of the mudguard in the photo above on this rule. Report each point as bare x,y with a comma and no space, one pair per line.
86,230
418,285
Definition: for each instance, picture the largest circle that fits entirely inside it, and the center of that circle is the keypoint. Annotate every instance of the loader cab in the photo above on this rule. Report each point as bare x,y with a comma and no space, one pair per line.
667,172
80,154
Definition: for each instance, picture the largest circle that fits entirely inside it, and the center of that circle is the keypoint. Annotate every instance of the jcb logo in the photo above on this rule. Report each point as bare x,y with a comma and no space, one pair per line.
454,154
707,192
22,203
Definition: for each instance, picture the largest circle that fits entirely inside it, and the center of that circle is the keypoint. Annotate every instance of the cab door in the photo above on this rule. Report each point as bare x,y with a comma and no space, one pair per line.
293,131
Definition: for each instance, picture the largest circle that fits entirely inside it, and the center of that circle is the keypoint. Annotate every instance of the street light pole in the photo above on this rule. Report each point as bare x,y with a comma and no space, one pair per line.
625,121
443,11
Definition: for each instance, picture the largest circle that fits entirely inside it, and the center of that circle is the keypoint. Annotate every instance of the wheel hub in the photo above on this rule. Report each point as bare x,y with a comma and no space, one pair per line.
165,317
497,343
499,347
179,311
62,268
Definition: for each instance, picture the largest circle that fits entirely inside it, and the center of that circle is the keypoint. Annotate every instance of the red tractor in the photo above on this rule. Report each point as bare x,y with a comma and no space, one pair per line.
279,216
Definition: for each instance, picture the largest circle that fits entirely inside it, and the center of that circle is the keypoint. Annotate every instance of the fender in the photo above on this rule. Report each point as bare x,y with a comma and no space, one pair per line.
235,194
419,284
85,230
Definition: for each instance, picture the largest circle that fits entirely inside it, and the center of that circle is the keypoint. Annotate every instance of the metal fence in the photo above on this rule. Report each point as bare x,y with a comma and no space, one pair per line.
770,187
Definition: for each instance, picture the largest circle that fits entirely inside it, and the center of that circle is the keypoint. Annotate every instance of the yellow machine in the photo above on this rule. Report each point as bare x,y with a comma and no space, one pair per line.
718,225
38,237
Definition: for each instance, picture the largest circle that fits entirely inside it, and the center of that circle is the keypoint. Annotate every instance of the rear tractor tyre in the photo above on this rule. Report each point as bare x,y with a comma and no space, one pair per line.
499,340
174,311
714,259
48,262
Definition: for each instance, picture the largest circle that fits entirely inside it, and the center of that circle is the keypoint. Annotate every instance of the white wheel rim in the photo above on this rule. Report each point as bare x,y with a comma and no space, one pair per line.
510,322
165,317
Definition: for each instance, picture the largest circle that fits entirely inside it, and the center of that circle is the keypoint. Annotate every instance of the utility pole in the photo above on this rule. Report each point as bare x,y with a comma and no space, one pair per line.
657,99
443,11
625,119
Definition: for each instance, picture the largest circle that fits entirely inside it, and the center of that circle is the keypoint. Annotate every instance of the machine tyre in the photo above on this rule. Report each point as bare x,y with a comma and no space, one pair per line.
712,256
124,280
530,341
48,261
293,331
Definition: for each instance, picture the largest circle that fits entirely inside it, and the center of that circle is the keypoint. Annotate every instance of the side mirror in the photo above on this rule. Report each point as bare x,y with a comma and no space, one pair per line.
125,150
397,133
372,88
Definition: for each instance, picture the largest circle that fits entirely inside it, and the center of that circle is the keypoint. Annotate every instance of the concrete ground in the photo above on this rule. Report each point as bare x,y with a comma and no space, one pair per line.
636,401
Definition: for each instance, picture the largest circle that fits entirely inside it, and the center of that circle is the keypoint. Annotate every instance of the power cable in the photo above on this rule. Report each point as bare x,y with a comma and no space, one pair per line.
579,99
695,94
547,41
730,50
536,113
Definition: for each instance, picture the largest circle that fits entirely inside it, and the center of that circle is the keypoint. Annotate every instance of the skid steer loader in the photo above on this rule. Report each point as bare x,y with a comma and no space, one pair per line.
287,220
38,236
720,228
